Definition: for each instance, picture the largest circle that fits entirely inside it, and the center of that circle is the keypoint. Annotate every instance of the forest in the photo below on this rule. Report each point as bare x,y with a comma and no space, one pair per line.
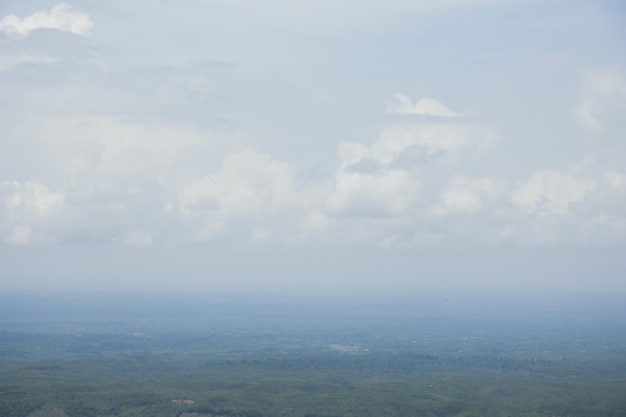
261,358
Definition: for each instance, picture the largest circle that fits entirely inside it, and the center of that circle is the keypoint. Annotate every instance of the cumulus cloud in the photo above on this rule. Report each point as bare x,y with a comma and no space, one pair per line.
552,192
385,194
426,106
384,179
256,195
249,182
29,208
602,97
61,17
136,184
113,177
32,199
466,195
583,205
315,222
432,139
250,188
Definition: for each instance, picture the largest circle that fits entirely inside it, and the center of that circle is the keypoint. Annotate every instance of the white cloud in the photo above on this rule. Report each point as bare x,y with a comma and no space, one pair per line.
20,236
383,180
432,138
231,141
126,181
88,146
602,97
315,222
260,235
460,199
551,192
370,181
582,206
425,106
248,183
351,152
614,179
466,195
385,194
10,61
113,177
29,210
250,188
61,17
32,199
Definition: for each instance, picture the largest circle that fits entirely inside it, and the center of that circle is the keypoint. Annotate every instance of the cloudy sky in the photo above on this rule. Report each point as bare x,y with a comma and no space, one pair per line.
313,146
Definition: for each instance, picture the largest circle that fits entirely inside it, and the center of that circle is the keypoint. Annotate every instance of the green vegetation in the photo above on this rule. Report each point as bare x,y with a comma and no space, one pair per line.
126,387
248,366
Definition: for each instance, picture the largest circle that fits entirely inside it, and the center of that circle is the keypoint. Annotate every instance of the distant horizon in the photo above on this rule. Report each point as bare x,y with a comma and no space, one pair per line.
322,272
455,297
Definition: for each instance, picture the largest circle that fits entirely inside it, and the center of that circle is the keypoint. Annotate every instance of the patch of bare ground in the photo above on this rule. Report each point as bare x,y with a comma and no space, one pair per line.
183,402
344,348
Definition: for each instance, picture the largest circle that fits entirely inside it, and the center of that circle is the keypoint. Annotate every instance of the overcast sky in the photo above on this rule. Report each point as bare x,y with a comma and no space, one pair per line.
313,146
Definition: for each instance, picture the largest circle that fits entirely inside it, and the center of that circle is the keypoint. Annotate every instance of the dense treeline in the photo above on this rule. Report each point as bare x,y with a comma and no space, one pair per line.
318,386
409,363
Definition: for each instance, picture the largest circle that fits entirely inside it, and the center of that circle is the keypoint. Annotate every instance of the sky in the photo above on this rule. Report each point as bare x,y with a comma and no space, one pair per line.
353,147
